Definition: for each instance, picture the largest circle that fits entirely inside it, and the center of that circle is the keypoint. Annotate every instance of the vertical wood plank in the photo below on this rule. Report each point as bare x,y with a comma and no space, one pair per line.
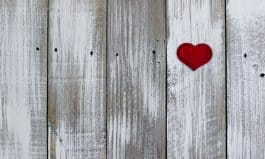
246,81
196,100
23,79
77,79
136,79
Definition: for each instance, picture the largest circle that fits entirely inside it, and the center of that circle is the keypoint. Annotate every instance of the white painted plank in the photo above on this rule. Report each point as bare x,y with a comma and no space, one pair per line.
246,86
23,74
136,79
196,100
77,79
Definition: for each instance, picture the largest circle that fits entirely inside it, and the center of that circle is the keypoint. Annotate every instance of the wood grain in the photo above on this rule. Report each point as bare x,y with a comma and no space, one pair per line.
136,79
77,79
23,79
196,119
246,86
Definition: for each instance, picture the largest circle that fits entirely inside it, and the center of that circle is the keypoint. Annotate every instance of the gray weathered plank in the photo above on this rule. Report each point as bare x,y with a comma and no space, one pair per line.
246,84
196,100
23,74
77,79
136,79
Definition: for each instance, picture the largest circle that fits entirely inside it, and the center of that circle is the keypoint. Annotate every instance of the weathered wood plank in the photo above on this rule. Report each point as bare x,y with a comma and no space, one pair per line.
246,83
196,100
136,79
23,79
77,79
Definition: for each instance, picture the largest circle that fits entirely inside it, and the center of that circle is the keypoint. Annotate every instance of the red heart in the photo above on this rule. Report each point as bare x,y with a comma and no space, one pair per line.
194,56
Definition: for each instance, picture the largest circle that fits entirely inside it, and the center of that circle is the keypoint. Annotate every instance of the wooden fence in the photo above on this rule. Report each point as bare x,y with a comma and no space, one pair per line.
97,79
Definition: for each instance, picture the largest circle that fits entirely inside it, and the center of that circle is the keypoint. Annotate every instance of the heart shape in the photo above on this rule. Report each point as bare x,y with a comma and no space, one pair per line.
194,56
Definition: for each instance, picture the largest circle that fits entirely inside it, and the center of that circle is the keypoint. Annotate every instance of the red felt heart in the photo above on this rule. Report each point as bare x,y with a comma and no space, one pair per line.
194,56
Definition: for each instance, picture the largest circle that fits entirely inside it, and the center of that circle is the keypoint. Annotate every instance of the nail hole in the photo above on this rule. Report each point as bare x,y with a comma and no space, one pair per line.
55,49
153,51
37,48
262,75
91,53
117,54
245,55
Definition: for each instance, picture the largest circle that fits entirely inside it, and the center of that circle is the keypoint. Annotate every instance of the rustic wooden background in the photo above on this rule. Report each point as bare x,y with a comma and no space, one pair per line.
97,79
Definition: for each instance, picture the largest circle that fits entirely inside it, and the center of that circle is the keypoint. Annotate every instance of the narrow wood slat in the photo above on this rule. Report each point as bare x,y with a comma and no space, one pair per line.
136,78
246,84
23,79
196,116
77,79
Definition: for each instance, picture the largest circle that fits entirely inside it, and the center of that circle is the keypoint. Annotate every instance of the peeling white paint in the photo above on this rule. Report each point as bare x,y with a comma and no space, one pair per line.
22,79
246,97
77,93
136,79
196,100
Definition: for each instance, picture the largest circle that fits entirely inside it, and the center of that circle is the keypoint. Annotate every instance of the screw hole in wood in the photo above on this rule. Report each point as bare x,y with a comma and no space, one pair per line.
55,49
262,75
91,53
